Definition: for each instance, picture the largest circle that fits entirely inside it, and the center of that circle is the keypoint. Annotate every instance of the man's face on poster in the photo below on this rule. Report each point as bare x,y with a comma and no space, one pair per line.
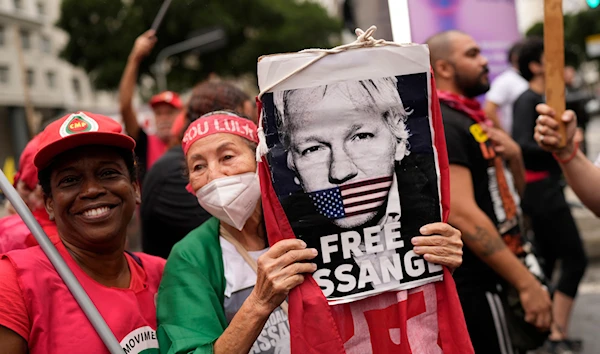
334,141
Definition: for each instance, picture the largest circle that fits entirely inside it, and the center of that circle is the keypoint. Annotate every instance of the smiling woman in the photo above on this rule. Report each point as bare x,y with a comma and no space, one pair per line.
92,194
88,175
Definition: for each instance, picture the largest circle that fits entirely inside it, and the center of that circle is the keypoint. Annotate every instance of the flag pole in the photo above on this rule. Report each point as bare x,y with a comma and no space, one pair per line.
554,55
160,15
61,267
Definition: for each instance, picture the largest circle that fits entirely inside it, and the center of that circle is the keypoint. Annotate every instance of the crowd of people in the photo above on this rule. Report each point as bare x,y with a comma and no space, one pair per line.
208,282
529,177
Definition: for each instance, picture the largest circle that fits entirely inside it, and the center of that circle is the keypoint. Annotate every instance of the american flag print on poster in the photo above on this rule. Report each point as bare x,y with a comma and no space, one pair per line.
352,199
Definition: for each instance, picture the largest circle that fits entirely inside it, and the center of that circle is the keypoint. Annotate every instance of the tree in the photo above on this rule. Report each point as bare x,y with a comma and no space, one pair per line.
101,34
577,27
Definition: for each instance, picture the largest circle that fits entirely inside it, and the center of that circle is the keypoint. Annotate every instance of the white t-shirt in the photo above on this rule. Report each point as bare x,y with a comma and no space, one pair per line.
504,91
240,279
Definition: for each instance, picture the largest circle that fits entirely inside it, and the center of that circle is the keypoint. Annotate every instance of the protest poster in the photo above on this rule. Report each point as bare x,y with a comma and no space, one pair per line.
353,163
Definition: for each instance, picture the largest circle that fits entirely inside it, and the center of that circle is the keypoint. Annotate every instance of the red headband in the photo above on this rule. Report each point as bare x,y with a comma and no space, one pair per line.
219,122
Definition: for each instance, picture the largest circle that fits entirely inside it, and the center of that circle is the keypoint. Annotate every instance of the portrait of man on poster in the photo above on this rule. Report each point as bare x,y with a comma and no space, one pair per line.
346,144
345,133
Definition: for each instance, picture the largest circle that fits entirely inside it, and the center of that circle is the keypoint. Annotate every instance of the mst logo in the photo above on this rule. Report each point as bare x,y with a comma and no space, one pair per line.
140,341
78,123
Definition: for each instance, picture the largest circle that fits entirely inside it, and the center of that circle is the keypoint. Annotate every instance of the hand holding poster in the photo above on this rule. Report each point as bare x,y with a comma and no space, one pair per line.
353,165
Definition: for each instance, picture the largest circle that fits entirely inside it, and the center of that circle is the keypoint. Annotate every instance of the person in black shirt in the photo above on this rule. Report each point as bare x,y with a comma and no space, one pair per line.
555,230
168,211
483,203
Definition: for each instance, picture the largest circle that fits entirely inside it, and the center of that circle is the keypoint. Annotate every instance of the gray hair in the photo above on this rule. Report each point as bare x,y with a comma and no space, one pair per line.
379,96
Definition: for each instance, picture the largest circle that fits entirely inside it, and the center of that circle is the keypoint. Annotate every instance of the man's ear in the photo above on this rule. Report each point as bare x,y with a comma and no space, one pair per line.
138,194
443,68
401,148
49,205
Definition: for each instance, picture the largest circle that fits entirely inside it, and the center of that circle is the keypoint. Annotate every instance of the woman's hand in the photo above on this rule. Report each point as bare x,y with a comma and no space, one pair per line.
280,270
440,244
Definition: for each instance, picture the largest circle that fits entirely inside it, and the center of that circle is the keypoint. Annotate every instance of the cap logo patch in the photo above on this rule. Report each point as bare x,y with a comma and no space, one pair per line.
78,123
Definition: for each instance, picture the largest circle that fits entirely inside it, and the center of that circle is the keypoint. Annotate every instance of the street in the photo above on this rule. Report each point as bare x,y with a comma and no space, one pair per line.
586,316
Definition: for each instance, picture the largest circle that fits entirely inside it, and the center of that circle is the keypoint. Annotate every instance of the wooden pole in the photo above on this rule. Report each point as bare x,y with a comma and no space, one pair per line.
554,55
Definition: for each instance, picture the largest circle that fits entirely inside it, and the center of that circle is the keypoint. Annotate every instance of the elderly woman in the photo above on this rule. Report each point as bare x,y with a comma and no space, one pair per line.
87,173
211,300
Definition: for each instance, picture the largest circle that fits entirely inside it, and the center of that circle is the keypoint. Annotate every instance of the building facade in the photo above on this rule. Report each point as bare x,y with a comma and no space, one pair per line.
30,66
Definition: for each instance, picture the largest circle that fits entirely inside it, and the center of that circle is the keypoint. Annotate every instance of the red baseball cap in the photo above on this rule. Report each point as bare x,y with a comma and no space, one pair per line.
27,171
168,97
79,129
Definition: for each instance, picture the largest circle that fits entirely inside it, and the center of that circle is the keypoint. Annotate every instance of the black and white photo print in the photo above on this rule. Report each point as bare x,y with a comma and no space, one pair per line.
354,168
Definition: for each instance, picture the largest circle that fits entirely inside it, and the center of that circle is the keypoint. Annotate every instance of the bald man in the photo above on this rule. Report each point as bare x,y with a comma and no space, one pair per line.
484,204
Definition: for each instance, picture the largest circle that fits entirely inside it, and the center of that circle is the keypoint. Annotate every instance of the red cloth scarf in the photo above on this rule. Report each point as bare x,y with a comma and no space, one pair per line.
318,328
469,106
472,108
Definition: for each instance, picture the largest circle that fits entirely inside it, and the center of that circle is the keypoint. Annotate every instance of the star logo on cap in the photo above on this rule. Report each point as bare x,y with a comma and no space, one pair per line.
168,96
78,123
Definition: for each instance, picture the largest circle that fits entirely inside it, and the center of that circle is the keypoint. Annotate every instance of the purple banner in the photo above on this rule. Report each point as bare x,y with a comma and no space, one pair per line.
493,24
